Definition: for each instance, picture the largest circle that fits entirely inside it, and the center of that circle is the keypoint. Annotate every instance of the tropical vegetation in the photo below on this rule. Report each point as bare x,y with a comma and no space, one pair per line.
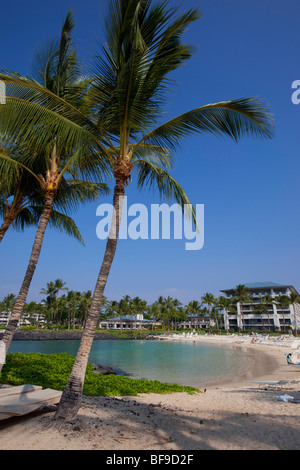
69,310
53,370
109,124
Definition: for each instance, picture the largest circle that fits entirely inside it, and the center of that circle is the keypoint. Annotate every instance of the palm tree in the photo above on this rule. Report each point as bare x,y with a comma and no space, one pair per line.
85,301
49,301
33,308
283,301
21,202
241,294
224,304
293,300
194,307
8,302
209,300
65,158
266,300
143,46
153,311
52,291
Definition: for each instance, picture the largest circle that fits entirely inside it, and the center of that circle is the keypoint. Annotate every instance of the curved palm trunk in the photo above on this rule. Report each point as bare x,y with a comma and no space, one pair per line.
36,249
11,212
5,226
71,398
10,215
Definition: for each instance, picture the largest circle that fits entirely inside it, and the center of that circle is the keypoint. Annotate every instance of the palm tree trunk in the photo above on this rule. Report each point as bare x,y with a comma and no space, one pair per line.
295,320
7,221
71,398
36,249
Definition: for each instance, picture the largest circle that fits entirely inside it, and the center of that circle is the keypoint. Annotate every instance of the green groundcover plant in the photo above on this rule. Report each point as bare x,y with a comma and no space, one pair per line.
53,370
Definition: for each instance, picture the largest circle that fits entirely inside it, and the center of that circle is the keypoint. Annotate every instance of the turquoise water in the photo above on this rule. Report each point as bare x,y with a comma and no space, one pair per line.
173,362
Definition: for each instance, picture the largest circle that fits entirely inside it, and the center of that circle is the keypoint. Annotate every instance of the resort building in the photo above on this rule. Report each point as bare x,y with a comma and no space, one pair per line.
25,320
276,315
196,322
126,322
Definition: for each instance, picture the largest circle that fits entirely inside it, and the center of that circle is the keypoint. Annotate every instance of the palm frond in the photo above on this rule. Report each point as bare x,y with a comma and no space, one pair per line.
236,118
61,222
151,176
73,193
143,45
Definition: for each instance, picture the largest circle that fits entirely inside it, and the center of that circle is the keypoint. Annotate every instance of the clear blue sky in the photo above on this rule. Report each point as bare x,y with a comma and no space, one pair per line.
250,190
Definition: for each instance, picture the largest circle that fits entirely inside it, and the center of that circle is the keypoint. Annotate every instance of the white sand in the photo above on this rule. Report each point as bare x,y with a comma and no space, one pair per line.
231,416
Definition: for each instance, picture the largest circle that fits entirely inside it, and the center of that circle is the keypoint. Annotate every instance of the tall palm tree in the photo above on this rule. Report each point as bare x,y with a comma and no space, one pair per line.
8,302
85,301
194,307
241,293
126,96
143,45
283,301
266,300
153,311
52,291
32,308
209,300
293,300
224,304
64,157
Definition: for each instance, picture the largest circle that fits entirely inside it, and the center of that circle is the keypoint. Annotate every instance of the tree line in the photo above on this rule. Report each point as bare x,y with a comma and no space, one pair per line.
70,310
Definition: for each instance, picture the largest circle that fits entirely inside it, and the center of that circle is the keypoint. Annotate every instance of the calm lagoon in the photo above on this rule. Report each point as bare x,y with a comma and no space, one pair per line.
174,362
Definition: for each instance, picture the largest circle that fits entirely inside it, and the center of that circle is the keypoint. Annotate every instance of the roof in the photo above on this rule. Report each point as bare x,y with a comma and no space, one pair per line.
264,285
126,318
255,285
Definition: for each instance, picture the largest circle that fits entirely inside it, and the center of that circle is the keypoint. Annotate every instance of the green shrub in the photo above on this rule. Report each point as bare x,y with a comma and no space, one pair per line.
53,370
28,328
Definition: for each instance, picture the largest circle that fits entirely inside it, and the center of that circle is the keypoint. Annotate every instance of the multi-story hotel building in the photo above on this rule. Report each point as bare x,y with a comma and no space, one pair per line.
277,316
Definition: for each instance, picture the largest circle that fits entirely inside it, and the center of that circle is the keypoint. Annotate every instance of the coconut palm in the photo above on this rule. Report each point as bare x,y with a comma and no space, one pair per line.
64,159
143,46
293,300
21,201
153,311
209,300
265,300
85,301
224,304
32,308
194,308
8,302
241,294
51,292
283,301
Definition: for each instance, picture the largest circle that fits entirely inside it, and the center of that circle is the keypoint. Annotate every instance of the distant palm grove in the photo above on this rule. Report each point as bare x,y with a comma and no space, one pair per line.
69,310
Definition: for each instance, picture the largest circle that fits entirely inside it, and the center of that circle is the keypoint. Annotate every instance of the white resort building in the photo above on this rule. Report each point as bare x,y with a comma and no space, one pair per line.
25,320
126,321
276,316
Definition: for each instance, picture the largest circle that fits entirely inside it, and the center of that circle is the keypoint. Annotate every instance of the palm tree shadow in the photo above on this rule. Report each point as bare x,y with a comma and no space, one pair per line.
129,424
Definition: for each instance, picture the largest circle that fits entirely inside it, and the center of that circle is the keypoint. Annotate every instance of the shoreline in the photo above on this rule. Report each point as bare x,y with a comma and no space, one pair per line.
268,357
240,415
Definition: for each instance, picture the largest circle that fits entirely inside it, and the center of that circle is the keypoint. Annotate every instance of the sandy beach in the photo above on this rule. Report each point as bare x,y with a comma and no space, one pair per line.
237,415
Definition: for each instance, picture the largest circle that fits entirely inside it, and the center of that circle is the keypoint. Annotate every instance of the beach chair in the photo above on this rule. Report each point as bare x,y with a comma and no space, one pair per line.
293,359
273,384
24,399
